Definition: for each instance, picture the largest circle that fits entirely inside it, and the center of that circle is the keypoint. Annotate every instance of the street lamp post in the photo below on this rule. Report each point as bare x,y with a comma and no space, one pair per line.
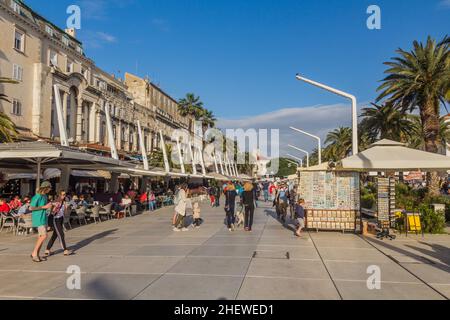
345,95
296,158
301,150
315,137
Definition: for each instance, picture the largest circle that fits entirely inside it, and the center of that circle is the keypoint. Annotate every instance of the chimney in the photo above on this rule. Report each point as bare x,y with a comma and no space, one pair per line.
71,32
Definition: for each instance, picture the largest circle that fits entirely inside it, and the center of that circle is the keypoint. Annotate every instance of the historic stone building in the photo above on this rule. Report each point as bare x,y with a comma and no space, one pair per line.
39,55
164,108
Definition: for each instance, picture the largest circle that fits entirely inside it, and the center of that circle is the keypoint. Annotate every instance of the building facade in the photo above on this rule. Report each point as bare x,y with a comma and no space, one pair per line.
38,55
164,109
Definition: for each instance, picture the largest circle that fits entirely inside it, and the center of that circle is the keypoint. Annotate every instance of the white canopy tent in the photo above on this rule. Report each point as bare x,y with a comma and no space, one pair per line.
390,155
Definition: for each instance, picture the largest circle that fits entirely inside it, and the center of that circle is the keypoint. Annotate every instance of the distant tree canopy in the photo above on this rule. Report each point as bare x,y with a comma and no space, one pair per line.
286,167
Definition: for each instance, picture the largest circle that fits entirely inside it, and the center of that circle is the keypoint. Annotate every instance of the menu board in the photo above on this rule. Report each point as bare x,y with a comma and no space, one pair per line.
330,190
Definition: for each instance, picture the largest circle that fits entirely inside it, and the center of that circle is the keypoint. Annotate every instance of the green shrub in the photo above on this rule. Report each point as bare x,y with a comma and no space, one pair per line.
440,200
432,222
368,201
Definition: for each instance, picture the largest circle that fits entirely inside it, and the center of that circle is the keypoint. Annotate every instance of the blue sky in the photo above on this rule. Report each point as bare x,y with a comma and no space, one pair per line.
241,56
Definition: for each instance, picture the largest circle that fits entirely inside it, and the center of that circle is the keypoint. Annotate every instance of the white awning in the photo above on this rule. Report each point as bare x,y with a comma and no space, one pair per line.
91,174
390,155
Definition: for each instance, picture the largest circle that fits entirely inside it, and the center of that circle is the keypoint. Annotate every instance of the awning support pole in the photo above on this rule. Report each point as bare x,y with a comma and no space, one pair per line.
202,161
215,162
112,142
38,175
163,147
143,148
194,163
59,114
180,155
221,164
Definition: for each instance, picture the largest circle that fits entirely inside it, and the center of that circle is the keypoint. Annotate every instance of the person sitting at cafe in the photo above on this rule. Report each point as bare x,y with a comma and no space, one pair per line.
15,203
4,207
25,208
73,202
82,202
126,201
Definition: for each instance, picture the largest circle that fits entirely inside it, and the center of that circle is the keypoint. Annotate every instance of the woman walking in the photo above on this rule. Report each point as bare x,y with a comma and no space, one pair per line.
248,200
180,210
39,206
230,203
56,222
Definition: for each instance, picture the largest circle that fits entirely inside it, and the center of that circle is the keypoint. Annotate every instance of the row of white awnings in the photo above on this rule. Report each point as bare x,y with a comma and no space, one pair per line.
126,173
56,173
20,161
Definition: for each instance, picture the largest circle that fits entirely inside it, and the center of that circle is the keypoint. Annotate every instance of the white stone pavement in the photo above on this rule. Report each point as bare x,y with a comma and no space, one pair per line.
142,258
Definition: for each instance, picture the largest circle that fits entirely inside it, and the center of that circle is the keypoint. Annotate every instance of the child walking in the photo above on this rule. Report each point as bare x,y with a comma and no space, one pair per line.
197,215
300,216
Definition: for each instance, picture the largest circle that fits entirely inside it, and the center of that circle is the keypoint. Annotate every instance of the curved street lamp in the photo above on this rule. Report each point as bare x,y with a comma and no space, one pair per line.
301,150
315,137
345,95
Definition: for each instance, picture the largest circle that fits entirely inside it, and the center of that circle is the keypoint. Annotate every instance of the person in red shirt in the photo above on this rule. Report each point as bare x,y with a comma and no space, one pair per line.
272,190
15,203
4,207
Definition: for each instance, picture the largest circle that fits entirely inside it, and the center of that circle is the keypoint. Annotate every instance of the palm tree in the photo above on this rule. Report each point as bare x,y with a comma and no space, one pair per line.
420,79
190,105
386,122
8,131
417,139
339,144
208,120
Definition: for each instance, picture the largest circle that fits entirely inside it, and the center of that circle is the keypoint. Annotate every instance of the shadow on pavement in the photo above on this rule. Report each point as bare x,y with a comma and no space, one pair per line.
436,265
273,215
88,241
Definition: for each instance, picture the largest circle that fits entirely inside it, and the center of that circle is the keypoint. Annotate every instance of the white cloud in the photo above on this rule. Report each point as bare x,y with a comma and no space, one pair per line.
161,24
444,3
318,120
97,39
106,37
98,9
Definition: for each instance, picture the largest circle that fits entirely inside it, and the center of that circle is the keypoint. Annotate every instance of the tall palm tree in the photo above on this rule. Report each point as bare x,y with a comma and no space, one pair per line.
8,131
420,79
190,105
417,139
339,144
208,120
386,122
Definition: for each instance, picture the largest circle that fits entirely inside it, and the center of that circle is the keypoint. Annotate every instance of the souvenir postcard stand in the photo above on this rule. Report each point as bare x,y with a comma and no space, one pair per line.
386,201
332,200
386,206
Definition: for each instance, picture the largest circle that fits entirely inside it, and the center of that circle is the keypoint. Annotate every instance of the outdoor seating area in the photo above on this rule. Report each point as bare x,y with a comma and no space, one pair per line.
15,215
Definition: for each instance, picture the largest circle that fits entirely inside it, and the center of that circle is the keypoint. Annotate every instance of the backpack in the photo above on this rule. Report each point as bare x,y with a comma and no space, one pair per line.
283,197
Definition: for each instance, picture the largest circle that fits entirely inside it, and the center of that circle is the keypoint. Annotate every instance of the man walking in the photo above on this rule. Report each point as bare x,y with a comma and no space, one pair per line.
266,191
38,207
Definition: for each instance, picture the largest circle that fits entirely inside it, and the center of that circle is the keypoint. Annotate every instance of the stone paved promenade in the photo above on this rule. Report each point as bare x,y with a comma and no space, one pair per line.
142,258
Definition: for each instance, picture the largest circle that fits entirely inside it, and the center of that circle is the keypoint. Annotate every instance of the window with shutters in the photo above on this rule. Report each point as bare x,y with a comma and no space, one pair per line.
16,107
19,41
53,58
17,72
